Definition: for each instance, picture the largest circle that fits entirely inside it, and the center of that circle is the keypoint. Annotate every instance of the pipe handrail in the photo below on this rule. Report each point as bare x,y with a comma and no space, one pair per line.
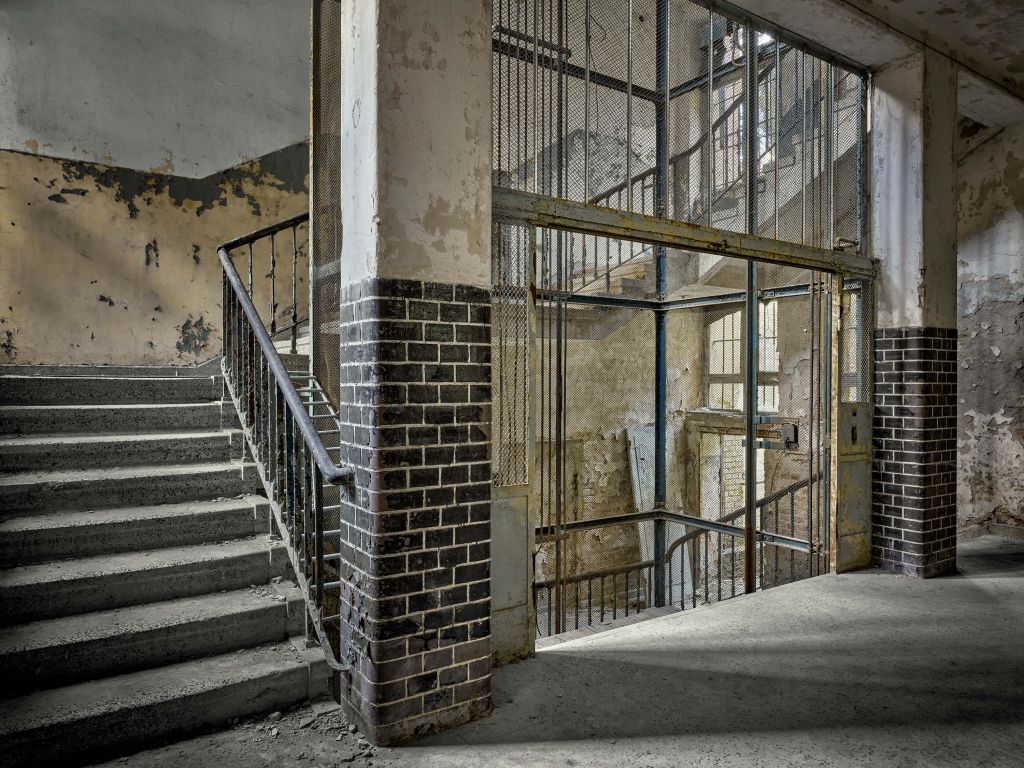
670,550
270,229
333,474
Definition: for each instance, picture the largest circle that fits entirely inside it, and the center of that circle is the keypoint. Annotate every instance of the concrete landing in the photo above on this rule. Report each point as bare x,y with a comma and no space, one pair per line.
862,669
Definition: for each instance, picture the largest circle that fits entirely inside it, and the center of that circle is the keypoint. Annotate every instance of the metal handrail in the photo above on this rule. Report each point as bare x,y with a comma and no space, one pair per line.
289,452
670,550
334,474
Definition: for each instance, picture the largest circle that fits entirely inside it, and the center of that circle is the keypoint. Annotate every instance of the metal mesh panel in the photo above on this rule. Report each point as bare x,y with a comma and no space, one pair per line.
510,353
325,203
642,106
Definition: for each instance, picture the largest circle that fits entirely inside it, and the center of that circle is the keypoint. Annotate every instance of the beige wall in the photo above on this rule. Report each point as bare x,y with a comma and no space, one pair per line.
108,265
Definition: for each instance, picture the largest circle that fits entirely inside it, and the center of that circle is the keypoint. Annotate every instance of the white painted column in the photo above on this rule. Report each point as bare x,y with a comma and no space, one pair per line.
914,215
416,141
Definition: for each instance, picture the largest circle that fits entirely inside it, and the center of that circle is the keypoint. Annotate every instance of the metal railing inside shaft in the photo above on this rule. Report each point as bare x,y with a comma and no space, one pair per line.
293,463
706,571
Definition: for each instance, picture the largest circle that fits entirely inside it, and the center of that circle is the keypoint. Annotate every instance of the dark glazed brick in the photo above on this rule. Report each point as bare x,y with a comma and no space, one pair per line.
914,487
415,411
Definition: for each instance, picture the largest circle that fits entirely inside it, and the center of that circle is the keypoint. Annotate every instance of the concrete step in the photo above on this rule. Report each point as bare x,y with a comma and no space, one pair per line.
44,654
84,722
52,452
104,390
114,419
68,587
209,368
60,535
37,492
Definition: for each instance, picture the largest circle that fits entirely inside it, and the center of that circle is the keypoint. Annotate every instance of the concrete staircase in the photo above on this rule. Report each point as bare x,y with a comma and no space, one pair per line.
141,595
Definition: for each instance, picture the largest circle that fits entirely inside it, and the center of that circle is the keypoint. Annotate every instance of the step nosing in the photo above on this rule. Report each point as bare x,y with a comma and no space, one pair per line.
153,687
136,620
143,561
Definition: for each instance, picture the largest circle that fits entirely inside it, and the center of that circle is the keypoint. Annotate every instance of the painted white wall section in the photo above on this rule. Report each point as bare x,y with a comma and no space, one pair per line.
913,191
416,141
188,87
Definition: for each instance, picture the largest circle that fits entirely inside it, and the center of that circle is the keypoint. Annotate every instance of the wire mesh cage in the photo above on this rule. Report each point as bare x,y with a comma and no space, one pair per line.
325,197
678,110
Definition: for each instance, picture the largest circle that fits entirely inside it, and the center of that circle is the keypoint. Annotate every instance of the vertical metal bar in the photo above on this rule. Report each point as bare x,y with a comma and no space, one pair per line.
629,106
250,270
273,285
752,364
660,316
318,528
778,129
295,295
536,106
826,484
586,111
710,164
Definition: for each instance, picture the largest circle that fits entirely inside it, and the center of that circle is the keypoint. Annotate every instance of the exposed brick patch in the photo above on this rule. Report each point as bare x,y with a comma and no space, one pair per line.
914,440
415,409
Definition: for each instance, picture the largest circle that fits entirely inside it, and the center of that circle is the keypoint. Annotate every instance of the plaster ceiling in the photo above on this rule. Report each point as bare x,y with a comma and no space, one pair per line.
985,35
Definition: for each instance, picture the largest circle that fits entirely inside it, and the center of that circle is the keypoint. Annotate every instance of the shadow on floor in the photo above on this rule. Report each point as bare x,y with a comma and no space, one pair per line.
857,650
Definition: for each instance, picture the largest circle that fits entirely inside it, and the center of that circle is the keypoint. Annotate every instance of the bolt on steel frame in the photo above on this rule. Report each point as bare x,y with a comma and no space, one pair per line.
687,135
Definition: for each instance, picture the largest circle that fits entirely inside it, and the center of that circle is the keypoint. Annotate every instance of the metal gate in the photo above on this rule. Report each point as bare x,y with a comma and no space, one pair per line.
679,217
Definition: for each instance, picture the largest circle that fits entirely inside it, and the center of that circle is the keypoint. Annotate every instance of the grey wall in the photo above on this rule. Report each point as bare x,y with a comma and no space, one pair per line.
186,87
991,333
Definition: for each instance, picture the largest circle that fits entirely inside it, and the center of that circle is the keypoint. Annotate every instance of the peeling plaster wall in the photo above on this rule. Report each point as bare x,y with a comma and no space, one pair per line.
416,193
189,87
108,265
990,414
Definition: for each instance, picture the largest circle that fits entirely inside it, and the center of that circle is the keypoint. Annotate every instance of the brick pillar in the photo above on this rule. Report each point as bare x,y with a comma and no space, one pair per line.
913,218
415,372
914,468
416,409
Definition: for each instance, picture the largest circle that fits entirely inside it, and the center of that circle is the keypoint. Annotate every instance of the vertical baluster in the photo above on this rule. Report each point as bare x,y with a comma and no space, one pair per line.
602,599
318,528
308,523
250,270
289,458
718,559
273,285
549,611
625,578
590,602
732,562
615,597
576,603
295,293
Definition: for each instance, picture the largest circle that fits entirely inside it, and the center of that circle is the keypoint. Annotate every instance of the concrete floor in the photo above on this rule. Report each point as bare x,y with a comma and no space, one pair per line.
862,669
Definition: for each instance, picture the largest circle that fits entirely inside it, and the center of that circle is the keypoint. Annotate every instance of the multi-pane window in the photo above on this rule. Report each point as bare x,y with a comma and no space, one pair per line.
725,360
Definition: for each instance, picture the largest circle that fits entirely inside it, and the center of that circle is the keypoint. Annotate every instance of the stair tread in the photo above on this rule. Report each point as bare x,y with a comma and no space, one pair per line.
109,406
63,438
15,479
137,690
61,571
56,520
98,625
78,379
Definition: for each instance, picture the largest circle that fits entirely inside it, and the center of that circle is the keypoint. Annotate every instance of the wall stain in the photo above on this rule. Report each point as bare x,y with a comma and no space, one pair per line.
285,169
7,343
195,253
195,336
152,254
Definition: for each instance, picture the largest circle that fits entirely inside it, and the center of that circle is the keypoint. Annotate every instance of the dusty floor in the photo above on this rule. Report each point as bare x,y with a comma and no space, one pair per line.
864,669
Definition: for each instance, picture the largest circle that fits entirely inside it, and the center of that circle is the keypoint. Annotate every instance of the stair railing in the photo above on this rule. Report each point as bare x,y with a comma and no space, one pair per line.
291,459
